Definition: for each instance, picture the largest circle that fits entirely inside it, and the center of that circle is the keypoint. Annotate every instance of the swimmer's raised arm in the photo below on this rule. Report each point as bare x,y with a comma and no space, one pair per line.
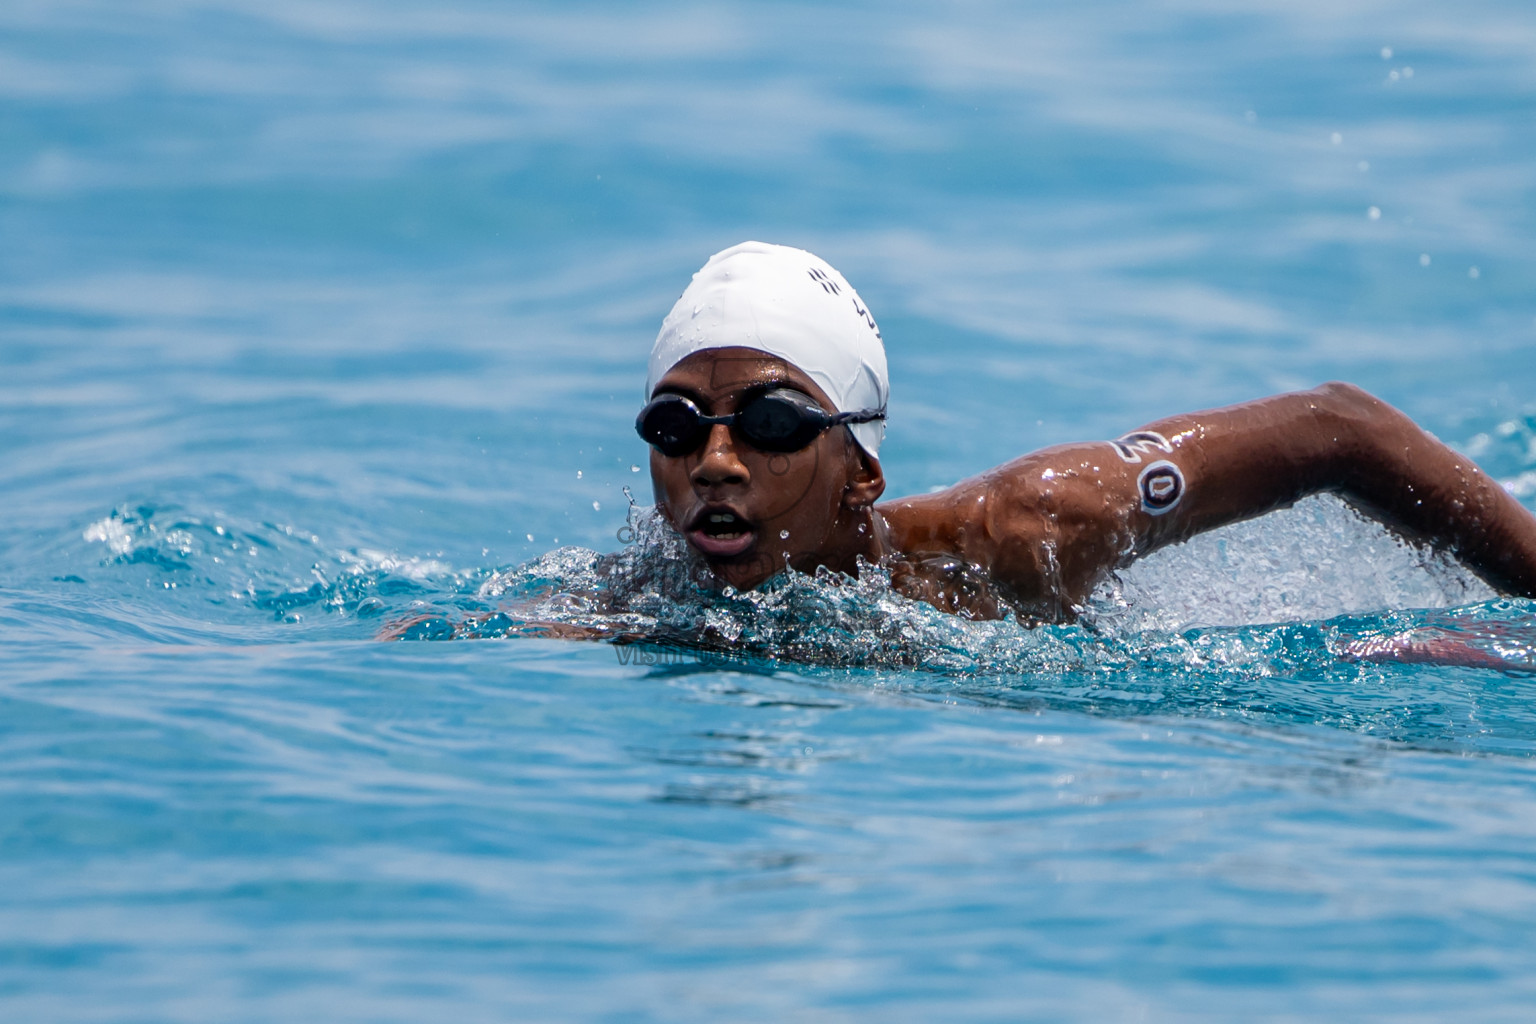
1051,524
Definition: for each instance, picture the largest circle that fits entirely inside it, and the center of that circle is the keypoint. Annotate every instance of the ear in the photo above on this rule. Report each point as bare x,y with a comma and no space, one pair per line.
866,481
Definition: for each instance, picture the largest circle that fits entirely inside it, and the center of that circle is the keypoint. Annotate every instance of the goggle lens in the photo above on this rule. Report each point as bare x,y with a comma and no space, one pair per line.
672,427
777,421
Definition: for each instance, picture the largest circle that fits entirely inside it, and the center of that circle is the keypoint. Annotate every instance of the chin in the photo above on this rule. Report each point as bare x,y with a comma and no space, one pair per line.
746,572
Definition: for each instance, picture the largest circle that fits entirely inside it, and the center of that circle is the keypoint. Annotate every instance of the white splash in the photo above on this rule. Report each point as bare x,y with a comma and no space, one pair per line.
1314,561
112,532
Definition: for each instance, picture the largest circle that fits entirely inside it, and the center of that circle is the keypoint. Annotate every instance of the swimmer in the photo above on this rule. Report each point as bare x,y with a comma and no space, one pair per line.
765,408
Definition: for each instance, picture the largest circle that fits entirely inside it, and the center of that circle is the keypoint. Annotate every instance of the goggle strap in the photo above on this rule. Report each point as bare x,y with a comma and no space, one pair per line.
862,416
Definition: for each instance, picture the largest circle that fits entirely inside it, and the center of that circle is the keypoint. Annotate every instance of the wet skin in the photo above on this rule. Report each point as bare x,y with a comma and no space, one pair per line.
750,512
1036,535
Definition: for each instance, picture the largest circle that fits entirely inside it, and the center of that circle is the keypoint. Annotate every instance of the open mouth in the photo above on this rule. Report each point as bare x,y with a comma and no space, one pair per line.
721,533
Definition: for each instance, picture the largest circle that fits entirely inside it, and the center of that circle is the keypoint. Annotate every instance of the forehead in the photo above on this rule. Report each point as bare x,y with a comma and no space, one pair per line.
724,371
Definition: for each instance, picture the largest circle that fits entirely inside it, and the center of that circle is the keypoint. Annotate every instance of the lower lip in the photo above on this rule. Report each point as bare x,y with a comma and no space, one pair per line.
721,547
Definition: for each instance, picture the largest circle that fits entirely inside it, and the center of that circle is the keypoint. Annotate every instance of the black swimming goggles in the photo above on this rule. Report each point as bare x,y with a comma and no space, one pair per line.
774,421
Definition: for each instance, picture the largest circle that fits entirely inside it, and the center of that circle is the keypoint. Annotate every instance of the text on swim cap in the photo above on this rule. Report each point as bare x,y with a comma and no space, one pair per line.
829,286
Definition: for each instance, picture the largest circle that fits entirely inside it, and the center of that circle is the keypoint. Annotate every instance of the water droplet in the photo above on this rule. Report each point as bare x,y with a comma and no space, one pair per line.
1337,138
530,538
1423,259
1474,273
1386,53
783,535
634,469
1374,213
596,507
578,474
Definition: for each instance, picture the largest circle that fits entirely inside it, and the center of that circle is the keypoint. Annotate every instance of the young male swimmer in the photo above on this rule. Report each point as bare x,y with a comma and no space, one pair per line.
766,401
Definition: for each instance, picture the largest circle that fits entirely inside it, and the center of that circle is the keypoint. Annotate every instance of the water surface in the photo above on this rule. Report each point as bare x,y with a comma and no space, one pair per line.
316,316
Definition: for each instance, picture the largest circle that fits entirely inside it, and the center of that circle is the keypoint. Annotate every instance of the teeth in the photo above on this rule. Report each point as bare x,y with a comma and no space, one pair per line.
721,517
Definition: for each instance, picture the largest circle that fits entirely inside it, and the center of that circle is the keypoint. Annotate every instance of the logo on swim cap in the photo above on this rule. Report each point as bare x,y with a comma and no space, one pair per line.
827,284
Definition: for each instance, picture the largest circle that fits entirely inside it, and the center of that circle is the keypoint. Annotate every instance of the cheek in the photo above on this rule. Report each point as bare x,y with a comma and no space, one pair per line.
791,485
666,478
806,492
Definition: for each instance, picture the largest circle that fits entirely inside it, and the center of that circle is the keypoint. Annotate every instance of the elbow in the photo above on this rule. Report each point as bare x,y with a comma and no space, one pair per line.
1349,400
1368,443
1354,421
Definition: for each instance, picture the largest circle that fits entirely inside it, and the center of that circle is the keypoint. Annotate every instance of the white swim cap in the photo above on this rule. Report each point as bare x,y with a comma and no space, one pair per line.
787,303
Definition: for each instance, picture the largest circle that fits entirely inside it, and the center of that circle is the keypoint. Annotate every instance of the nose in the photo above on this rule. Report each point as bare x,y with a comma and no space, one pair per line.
719,465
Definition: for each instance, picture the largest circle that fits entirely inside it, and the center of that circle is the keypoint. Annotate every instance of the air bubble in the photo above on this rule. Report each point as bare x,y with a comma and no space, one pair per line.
597,507
578,474
1474,273
1374,213
1364,165
783,535
1423,259
634,469
1337,138
1386,53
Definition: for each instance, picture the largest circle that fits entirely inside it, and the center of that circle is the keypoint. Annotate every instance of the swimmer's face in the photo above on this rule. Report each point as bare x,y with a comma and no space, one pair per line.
749,511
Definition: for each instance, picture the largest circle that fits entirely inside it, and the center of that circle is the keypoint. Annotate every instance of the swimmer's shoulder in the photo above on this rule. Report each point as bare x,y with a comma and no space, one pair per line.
948,549
945,521
1020,502
1044,527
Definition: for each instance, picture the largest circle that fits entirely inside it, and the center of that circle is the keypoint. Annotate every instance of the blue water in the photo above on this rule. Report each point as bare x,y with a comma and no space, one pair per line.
320,316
